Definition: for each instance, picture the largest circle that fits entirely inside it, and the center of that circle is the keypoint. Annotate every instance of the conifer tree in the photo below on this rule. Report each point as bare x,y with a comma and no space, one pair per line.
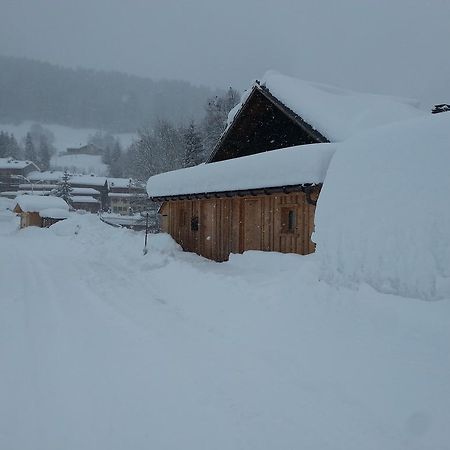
64,188
30,151
193,153
44,153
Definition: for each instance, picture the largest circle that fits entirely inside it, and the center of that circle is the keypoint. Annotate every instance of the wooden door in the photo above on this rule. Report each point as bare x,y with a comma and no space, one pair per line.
207,229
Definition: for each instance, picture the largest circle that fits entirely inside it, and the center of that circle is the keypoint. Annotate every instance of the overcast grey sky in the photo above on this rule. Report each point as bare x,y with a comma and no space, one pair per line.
398,47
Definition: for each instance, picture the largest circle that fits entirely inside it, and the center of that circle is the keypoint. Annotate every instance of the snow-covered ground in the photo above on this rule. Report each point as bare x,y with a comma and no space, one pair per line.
104,348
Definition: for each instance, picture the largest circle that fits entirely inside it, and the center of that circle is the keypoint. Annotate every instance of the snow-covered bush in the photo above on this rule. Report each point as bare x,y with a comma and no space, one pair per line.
383,216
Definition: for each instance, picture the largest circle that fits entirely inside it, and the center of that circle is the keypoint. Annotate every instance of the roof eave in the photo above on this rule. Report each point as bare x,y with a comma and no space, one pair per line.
288,189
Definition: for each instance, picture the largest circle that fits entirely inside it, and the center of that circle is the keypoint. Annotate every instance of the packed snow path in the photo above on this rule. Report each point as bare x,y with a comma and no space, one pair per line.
103,348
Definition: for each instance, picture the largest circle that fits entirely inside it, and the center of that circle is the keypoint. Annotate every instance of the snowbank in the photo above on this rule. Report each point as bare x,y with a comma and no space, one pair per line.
383,215
104,348
290,166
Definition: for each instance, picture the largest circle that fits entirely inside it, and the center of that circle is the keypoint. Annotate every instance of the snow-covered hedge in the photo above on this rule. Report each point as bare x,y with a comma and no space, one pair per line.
383,216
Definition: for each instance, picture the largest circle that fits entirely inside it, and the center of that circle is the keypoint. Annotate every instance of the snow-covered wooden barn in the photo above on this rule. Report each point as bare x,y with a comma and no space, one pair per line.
259,188
40,211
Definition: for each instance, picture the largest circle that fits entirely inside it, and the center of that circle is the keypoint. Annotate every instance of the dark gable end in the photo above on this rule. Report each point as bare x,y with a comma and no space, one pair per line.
262,124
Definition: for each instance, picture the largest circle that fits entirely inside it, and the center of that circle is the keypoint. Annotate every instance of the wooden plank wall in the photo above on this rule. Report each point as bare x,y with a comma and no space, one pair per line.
234,225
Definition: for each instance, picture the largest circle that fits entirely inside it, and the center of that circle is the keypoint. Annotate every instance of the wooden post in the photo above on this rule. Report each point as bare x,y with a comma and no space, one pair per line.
146,233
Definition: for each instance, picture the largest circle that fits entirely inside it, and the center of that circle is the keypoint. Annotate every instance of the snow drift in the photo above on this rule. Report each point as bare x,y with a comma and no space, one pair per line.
383,216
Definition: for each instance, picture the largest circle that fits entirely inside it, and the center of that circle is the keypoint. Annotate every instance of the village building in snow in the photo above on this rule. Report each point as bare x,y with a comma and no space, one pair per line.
88,149
259,188
88,192
126,196
14,172
40,211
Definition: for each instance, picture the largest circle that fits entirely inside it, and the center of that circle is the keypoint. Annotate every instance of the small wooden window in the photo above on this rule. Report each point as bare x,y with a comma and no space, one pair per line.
288,220
194,223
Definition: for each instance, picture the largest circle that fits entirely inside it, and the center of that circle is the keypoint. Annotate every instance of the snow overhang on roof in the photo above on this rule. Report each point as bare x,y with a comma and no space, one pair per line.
54,213
292,166
11,163
334,112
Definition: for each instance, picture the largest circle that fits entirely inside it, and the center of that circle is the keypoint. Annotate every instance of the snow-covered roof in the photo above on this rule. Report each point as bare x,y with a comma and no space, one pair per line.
38,203
55,176
54,213
33,192
119,182
46,176
88,180
40,186
11,163
84,191
125,195
303,164
335,112
83,199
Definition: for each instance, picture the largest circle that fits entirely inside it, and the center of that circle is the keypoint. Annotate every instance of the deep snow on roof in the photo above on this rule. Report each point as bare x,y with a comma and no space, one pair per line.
119,182
11,163
84,191
335,112
38,203
87,180
54,213
285,167
83,199
46,176
93,180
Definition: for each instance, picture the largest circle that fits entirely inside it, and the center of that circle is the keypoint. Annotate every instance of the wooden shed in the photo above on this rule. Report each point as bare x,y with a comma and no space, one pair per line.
259,187
40,211
259,202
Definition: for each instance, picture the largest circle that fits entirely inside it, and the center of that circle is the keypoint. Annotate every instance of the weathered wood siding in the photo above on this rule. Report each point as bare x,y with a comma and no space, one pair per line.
278,222
30,219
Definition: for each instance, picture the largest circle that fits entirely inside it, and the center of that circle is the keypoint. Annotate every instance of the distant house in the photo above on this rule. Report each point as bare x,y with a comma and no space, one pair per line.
40,211
86,203
91,192
100,184
259,188
126,195
13,172
88,149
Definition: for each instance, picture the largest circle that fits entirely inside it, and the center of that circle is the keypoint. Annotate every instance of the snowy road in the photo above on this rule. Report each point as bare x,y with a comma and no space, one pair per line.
102,348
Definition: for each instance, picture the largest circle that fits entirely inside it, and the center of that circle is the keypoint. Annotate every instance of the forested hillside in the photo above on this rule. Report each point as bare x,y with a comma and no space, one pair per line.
38,91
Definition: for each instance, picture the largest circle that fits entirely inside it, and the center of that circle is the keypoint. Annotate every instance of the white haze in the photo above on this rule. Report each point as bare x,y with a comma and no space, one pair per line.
396,47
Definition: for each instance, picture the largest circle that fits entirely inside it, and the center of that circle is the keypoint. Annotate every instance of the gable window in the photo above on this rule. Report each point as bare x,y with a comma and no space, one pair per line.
194,223
288,220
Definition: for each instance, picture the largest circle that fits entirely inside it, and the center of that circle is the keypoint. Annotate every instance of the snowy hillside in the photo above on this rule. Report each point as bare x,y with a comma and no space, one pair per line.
103,348
66,137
